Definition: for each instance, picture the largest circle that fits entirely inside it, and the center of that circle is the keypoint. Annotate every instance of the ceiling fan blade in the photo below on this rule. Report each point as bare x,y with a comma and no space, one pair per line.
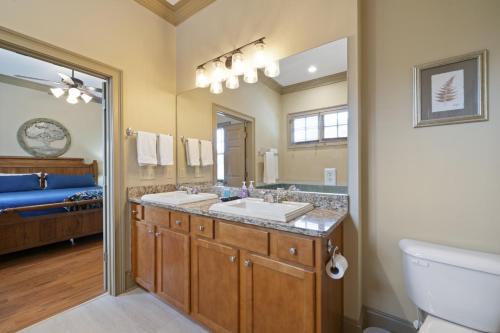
66,79
36,79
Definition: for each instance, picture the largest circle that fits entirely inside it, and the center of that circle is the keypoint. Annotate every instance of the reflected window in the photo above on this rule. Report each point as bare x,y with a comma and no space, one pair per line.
220,154
319,126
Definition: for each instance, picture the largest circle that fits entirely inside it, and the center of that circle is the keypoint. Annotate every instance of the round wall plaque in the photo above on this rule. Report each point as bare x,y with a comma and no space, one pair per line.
42,137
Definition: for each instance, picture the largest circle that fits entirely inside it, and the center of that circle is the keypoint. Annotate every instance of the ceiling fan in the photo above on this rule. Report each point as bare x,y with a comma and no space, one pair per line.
75,88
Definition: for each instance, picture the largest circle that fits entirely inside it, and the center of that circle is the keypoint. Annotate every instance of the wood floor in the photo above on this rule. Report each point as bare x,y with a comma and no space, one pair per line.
38,283
133,312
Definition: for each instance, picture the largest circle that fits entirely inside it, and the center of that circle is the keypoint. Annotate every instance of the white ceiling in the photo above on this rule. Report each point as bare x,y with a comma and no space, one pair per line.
329,59
172,2
12,63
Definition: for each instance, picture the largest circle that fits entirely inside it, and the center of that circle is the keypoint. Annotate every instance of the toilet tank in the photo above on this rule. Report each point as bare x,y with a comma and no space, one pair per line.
456,285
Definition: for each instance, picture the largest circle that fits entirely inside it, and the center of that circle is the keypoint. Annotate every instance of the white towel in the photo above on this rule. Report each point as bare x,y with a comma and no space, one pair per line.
146,148
270,167
166,149
193,152
206,153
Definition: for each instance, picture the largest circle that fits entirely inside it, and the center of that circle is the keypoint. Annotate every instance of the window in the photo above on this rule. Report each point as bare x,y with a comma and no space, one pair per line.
220,154
319,126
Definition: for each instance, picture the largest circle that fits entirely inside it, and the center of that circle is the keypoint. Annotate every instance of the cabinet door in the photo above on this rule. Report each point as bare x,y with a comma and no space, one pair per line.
277,297
172,267
145,255
215,271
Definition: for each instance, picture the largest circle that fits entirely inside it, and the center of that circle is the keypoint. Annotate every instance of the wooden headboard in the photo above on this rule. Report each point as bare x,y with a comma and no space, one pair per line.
65,166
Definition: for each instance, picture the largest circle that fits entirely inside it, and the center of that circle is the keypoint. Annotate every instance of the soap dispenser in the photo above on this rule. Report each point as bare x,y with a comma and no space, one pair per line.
250,188
244,191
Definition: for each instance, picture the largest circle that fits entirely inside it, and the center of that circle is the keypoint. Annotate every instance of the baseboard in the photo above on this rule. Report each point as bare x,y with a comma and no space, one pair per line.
351,326
375,318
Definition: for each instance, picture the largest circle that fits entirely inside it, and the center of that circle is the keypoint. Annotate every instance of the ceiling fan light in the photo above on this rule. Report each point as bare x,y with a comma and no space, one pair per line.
272,69
74,92
250,75
260,56
232,82
219,72
202,80
238,63
57,92
72,100
216,87
86,98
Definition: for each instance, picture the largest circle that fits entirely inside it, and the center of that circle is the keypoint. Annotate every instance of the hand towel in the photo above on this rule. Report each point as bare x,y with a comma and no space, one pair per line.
193,152
206,153
166,149
146,148
270,167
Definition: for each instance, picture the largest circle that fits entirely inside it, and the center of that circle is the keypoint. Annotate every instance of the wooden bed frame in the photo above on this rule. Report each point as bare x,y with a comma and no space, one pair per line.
19,233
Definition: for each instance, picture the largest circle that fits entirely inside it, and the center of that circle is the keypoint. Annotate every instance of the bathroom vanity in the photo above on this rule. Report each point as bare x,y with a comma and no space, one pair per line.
240,274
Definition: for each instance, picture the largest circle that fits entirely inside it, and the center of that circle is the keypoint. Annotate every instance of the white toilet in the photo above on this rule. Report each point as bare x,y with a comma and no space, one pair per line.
458,289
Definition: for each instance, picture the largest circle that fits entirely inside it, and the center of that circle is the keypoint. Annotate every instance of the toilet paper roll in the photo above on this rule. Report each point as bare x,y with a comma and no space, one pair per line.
337,266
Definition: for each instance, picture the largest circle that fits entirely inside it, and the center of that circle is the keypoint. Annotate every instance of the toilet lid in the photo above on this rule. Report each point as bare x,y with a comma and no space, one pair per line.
436,325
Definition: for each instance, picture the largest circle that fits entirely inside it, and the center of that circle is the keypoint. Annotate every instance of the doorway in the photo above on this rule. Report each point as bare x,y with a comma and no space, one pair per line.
234,144
63,247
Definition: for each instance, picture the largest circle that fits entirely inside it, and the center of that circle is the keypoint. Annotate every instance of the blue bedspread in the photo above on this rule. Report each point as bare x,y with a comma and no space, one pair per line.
40,197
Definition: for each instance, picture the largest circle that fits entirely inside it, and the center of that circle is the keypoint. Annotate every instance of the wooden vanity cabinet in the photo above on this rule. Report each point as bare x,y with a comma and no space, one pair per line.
236,278
215,285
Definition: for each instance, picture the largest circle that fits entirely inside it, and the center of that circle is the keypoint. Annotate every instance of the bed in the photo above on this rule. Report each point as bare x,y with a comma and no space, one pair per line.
45,215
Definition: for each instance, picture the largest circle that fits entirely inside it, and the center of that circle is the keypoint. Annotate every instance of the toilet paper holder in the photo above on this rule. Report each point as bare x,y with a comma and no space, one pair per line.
332,250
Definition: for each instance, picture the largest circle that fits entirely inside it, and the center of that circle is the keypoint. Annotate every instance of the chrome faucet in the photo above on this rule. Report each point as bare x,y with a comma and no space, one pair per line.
268,197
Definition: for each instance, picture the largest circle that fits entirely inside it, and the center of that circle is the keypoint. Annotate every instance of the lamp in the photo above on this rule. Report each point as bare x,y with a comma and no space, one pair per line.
74,92
72,99
219,72
260,57
216,87
86,98
238,63
272,69
202,80
250,75
57,92
232,82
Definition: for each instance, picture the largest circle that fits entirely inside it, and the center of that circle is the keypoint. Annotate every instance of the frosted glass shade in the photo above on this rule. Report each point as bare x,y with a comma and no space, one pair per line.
202,80
232,82
272,69
216,87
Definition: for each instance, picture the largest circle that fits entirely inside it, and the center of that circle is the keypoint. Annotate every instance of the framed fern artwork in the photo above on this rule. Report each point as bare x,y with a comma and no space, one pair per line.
451,91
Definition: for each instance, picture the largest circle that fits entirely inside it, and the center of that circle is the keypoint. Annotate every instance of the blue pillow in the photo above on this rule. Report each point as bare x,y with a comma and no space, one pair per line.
55,181
19,183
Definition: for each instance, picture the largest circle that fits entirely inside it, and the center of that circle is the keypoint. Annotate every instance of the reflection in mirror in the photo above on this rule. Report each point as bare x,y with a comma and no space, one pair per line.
290,130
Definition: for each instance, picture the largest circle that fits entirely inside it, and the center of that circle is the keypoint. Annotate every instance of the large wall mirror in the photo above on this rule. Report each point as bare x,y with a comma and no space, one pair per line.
287,131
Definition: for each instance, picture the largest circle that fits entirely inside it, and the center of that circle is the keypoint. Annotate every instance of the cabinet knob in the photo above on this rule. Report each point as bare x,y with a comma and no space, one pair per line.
201,227
292,251
158,234
247,263
150,231
232,258
178,222
134,212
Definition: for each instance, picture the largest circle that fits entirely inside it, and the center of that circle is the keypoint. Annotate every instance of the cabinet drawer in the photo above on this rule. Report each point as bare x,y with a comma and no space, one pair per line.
246,238
179,221
292,248
202,226
136,211
156,215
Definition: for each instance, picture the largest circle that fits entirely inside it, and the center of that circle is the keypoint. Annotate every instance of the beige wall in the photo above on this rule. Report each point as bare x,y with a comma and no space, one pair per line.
83,121
438,184
290,27
122,34
308,164
194,119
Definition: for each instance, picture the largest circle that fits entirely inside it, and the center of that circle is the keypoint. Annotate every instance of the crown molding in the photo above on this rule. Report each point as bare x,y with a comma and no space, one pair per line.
177,13
322,81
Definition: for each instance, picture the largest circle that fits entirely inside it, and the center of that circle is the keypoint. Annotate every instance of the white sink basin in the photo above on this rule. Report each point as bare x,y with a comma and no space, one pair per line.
177,197
252,207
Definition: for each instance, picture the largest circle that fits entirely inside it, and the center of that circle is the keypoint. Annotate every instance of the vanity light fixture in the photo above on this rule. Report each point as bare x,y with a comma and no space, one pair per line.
229,66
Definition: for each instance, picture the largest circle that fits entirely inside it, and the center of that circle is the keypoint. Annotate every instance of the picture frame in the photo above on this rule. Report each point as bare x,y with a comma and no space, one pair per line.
451,91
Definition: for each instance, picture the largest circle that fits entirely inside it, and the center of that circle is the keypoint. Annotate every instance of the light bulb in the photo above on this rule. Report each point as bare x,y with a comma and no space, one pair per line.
202,80
260,57
219,72
86,98
74,92
272,69
312,69
57,92
232,82
72,100
250,75
216,87
238,63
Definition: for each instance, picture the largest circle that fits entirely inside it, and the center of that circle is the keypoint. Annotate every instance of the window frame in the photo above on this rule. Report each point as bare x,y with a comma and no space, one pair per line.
321,140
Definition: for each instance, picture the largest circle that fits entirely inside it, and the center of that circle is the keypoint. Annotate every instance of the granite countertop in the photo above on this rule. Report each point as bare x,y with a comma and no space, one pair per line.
318,223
